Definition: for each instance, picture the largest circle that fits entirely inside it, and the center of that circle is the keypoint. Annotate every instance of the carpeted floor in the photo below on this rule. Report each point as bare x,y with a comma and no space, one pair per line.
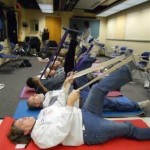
15,80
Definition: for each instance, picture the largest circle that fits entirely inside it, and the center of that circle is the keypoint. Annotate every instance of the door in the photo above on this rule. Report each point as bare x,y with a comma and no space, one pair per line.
54,26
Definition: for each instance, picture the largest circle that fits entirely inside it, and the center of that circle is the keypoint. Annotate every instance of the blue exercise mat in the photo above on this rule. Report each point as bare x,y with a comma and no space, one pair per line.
119,114
2,55
115,114
23,111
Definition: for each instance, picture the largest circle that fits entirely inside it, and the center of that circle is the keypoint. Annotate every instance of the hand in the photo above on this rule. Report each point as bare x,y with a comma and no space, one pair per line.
70,73
73,97
69,79
52,73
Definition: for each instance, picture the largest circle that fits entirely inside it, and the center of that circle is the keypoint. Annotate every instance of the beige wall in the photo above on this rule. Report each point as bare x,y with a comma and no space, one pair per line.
28,15
130,28
102,30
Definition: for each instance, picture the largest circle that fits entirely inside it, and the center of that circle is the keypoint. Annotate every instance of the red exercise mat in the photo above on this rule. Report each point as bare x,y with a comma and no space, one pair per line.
114,94
27,92
116,144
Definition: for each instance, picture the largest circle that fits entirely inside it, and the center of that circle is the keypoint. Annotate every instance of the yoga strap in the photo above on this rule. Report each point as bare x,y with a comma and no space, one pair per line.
125,61
98,67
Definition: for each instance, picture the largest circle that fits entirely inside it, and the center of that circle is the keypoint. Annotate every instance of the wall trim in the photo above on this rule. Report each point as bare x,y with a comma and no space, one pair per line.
130,40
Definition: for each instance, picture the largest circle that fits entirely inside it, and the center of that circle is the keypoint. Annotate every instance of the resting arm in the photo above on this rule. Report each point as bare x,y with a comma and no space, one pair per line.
41,86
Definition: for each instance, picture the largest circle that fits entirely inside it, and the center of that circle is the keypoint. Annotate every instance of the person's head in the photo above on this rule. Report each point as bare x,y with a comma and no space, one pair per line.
21,129
30,83
86,24
35,101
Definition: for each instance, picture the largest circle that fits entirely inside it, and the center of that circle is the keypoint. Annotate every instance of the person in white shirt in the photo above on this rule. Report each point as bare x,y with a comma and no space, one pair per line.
39,101
62,123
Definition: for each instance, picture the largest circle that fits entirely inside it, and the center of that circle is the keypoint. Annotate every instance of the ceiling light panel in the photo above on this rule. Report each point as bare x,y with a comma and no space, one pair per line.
45,6
120,7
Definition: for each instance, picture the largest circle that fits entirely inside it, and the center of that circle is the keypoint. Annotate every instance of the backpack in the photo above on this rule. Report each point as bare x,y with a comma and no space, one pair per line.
26,63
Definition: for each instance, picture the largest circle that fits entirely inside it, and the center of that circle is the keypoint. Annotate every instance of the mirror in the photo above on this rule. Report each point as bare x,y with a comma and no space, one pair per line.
34,25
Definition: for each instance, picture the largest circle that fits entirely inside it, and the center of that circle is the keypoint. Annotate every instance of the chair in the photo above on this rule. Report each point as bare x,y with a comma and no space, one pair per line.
7,56
102,47
115,51
143,63
22,49
122,49
34,42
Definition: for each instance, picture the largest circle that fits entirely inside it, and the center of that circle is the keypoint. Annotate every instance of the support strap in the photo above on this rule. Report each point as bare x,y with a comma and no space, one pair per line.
57,53
67,30
125,61
100,66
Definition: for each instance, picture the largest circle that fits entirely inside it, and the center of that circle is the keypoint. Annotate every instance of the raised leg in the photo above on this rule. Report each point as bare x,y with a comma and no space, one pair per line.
95,100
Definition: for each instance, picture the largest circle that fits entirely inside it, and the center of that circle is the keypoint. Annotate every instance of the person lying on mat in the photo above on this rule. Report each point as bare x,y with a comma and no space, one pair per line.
52,83
43,86
62,123
39,101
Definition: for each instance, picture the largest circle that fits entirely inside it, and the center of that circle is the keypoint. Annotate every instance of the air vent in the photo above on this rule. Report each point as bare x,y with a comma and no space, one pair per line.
78,12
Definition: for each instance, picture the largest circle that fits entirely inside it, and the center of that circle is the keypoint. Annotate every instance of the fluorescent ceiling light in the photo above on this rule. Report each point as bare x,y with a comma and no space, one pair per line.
122,6
46,8
47,11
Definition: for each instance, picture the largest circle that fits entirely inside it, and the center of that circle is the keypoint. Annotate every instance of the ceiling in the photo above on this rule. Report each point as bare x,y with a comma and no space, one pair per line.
91,6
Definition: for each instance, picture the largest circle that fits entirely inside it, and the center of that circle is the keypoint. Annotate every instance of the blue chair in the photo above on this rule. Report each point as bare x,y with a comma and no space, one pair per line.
122,49
144,59
143,63
7,56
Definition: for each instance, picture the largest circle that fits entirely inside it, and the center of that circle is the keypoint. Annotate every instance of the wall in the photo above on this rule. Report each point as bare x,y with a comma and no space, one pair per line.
29,15
5,43
130,28
102,30
36,14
